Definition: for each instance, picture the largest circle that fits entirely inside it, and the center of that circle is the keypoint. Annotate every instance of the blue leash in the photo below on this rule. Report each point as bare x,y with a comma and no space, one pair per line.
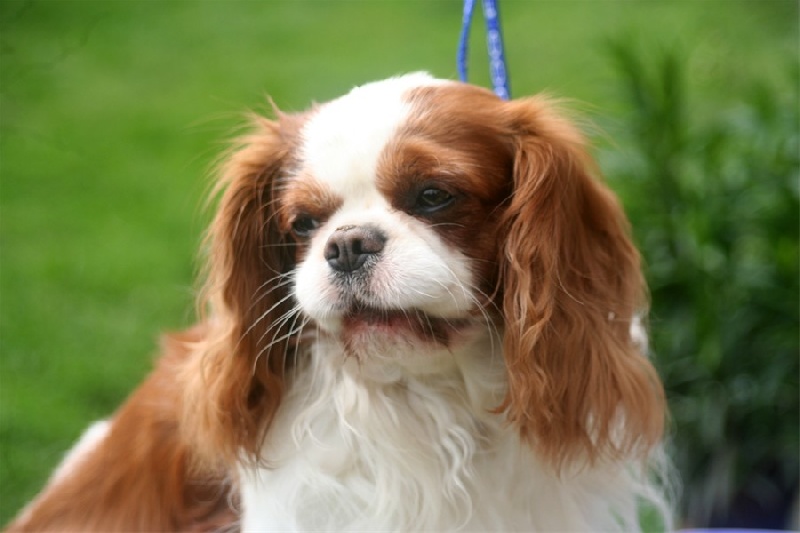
494,41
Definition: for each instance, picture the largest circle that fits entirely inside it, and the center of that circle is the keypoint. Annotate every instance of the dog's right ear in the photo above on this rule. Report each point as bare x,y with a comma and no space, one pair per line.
235,381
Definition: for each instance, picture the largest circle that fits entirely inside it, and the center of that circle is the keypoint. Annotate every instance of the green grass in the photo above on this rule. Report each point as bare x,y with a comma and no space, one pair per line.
111,113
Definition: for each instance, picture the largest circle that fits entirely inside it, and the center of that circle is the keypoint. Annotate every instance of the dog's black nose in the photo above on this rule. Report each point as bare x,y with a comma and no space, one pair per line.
349,247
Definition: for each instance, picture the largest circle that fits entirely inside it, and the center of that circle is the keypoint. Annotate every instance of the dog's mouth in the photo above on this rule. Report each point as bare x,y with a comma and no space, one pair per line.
403,322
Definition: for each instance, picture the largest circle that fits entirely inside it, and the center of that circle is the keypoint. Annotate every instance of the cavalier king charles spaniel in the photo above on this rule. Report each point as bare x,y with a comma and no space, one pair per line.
422,311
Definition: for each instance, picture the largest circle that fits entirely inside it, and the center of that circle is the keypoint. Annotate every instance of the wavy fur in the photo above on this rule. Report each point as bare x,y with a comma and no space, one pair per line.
480,367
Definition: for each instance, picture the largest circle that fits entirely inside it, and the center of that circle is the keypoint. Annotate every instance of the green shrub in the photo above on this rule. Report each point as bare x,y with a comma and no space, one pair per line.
713,198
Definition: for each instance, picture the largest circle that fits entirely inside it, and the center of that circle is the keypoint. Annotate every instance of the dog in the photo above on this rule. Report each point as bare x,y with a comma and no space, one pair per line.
422,310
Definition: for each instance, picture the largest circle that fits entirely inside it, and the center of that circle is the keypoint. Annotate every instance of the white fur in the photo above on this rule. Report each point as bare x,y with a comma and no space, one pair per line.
89,440
342,142
420,453
403,437
341,146
416,271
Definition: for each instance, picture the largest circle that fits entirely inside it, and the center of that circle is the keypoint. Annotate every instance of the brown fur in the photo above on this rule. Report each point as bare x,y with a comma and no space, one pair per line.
554,263
141,477
235,387
454,141
572,284
555,244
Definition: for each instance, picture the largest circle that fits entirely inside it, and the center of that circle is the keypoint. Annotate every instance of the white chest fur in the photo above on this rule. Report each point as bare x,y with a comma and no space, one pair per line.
354,451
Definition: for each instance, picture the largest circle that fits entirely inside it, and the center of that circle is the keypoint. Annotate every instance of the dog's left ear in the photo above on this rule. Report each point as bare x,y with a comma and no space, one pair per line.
579,386
234,385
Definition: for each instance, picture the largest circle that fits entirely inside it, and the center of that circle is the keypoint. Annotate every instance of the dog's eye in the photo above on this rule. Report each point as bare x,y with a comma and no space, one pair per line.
432,199
304,225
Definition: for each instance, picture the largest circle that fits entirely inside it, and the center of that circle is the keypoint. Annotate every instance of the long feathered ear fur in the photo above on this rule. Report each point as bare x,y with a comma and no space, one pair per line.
579,386
235,386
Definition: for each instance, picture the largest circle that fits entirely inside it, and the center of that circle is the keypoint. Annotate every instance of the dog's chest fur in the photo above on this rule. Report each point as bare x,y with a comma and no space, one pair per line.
358,449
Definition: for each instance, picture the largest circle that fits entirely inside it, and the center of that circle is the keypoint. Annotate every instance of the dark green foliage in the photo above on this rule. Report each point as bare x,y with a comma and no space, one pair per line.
713,197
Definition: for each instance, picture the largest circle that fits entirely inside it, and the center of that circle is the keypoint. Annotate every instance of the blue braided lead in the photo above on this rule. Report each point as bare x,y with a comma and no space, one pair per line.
494,42
463,41
497,58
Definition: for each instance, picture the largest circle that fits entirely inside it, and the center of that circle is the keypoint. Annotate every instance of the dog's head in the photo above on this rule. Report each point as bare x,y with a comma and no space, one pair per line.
407,219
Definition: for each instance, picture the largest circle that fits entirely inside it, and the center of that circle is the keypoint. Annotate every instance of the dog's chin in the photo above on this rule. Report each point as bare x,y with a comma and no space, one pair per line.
402,325
385,345
363,329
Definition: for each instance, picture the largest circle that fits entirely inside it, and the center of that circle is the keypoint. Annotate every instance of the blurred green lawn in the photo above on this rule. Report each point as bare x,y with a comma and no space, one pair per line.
111,113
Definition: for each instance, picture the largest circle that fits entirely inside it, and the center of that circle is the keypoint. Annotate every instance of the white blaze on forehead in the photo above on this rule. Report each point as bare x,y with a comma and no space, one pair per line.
342,142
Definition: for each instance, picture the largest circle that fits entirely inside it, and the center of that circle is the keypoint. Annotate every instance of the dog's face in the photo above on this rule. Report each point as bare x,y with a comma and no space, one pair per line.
395,203
406,218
